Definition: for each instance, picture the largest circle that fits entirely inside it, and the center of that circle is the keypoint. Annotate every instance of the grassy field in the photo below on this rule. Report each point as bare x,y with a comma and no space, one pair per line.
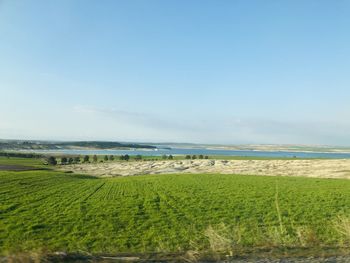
53,211
22,161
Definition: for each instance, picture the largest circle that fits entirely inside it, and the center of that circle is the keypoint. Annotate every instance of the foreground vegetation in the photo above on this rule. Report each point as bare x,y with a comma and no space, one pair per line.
53,211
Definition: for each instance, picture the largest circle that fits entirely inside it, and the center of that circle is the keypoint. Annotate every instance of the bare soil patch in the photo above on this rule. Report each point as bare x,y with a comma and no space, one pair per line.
339,168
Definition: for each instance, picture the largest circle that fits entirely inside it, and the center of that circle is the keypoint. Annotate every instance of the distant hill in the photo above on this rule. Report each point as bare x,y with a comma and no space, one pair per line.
105,145
47,145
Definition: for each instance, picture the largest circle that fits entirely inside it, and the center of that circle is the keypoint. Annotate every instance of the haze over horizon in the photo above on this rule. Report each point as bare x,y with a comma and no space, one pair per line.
215,72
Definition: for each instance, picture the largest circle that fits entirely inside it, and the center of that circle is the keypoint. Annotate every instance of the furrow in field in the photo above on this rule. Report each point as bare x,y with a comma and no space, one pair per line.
38,190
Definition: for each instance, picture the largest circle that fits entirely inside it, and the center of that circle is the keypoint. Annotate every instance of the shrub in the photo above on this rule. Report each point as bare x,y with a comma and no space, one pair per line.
125,157
52,160
86,158
64,160
105,158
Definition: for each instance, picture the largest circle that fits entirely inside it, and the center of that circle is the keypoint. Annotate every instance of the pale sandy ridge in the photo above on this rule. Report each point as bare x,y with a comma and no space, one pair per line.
339,168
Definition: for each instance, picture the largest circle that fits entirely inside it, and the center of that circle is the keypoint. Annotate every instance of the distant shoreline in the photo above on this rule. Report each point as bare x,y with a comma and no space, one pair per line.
218,154
108,147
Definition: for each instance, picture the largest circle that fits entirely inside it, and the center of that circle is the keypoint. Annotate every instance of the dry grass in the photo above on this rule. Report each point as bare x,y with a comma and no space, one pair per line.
306,236
32,257
342,226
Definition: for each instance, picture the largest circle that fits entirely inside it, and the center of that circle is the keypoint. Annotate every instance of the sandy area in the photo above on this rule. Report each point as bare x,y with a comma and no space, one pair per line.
339,168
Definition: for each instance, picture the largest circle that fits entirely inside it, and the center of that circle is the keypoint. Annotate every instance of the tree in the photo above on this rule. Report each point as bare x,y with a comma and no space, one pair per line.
138,157
164,157
64,160
125,157
194,157
170,157
206,157
52,160
201,156
111,158
70,160
76,159
188,157
105,158
94,158
86,158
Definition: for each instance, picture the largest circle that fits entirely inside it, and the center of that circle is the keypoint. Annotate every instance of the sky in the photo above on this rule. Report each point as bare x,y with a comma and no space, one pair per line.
221,72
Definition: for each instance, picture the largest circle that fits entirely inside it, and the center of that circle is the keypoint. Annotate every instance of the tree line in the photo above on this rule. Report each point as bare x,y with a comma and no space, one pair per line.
52,160
193,157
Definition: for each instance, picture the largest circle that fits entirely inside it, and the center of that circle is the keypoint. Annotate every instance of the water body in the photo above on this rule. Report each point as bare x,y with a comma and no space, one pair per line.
209,152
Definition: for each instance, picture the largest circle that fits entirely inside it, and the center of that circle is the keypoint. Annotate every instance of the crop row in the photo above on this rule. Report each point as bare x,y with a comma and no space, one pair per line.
160,212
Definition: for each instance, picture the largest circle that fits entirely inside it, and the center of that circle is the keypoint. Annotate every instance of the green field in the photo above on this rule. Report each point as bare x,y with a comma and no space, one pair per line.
22,161
169,213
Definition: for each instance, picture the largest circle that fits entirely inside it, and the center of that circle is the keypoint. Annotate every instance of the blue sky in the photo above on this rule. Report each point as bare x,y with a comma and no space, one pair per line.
201,71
